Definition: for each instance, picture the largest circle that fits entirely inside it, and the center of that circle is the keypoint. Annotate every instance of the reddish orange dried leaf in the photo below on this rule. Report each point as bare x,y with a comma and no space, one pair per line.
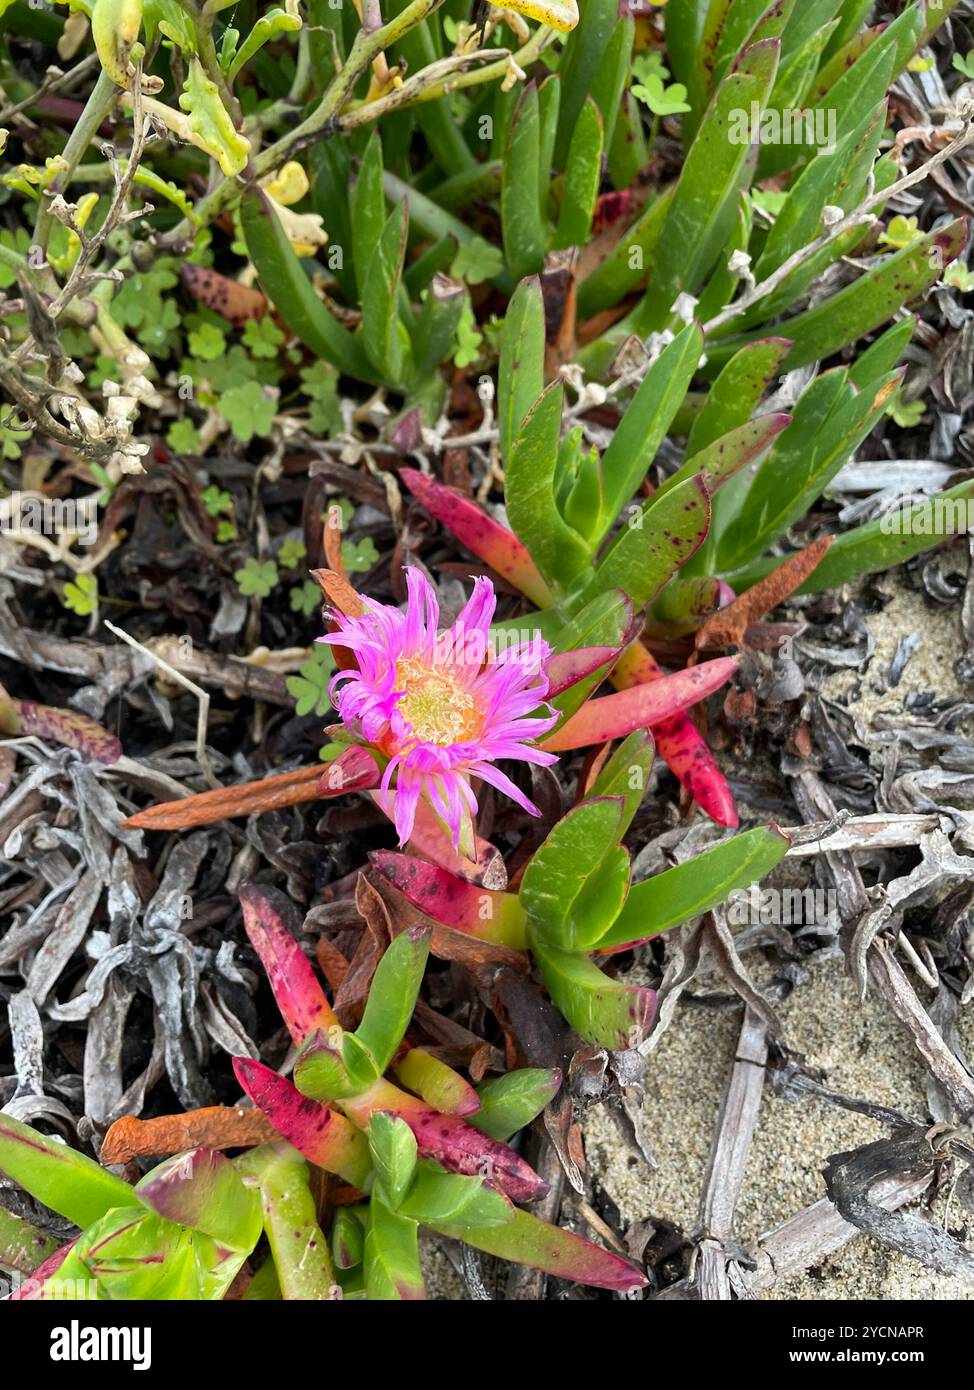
214,1127
206,808
727,626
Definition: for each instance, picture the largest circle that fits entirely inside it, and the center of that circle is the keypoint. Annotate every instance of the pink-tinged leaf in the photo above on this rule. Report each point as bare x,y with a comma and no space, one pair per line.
30,1290
203,1189
680,743
436,1083
528,1240
450,1141
614,716
320,1134
67,727
354,770
431,838
484,537
685,603
455,902
566,669
297,992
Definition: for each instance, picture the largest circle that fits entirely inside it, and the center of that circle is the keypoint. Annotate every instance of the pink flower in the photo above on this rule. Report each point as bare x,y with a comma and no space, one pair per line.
442,707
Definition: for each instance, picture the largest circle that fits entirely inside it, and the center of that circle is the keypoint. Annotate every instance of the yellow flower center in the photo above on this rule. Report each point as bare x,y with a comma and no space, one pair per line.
436,706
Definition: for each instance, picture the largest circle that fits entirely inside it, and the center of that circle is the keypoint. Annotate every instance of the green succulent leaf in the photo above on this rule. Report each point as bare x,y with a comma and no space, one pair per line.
392,1269
575,884
511,1101
63,1179
394,1154
393,994
692,888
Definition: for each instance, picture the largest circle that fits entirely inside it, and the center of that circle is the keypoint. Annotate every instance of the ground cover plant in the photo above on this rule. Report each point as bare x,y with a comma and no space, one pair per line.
428,432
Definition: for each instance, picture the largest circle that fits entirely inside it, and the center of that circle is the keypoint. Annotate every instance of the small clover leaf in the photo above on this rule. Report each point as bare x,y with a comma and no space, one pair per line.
263,337
305,598
310,686
256,578
184,438
248,410
477,261
81,595
357,557
290,554
216,501
661,100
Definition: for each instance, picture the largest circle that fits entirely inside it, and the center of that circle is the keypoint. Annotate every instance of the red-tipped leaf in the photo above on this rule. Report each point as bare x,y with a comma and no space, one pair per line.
614,716
297,992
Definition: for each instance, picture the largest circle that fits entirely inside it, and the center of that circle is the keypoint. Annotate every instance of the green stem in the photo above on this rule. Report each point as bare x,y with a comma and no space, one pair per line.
366,47
97,107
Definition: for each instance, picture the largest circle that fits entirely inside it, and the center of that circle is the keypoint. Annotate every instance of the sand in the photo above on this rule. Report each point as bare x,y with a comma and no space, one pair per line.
860,1046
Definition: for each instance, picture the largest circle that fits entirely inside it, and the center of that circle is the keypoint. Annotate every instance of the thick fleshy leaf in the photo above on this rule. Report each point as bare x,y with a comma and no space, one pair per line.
323,1136
556,548
432,839
455,902
436,1083
320,1068
509,1102
614,716
60,1177
582,176
686,602
392,1145
735,393
347,1239
392,995
626,775
297,992
523,228
283,280
384,336
301,1256
135,1255
520,378
529,1241
484,537
22,1246
656,540
354,770
203,1190
392,1269
576,882
603,1011
829,423
566,669
67,727
608,622
450,1141
679,742
694,887
723,457
892,540
864,305
705,203
451,1199
643,427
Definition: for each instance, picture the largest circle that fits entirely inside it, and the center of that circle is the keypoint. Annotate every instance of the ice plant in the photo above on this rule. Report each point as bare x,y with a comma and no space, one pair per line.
440,707
575,898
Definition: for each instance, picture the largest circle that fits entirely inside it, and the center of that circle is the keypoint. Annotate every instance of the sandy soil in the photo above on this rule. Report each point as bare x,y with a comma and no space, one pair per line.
859,1045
